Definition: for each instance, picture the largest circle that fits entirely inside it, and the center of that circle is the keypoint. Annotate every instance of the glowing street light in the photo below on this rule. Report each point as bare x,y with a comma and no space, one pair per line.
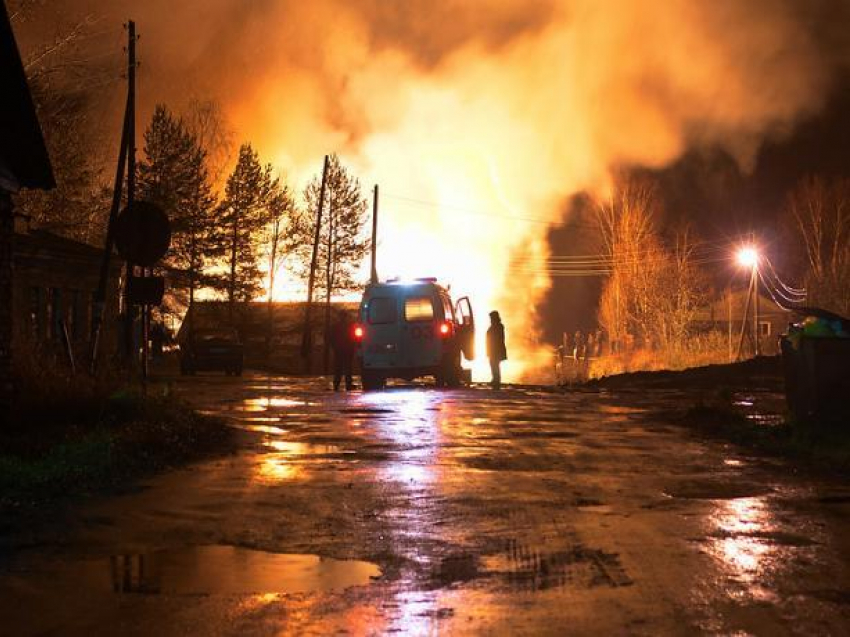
748,257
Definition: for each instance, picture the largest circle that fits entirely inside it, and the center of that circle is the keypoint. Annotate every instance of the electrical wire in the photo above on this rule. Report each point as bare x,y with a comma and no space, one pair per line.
772,296
788,288
778,290
471,211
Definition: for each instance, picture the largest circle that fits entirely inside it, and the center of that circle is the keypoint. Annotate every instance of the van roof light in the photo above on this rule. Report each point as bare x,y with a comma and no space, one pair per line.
423,279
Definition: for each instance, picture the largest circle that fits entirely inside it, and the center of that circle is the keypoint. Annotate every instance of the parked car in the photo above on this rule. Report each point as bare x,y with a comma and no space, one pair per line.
413,329
216,349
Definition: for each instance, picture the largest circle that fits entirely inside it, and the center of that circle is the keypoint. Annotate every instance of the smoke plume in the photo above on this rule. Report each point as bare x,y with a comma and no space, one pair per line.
479,117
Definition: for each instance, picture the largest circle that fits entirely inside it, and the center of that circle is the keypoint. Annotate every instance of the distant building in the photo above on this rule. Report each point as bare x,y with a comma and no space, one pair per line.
726,315
275,344
54,286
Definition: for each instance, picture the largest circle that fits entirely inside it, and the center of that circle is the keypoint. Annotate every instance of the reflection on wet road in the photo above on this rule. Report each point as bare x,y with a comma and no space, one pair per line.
419,511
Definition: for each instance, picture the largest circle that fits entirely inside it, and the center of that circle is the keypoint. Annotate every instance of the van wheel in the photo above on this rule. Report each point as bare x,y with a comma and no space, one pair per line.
371,381
449,374
453,378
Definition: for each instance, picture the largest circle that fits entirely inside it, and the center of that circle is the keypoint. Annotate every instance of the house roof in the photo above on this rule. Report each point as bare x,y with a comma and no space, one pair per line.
719,309
22,149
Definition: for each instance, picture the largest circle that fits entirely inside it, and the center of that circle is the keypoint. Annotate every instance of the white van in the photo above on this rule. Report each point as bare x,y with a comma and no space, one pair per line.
412,329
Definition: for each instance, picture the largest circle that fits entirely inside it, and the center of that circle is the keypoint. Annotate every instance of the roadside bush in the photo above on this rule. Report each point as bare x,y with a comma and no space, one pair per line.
697,350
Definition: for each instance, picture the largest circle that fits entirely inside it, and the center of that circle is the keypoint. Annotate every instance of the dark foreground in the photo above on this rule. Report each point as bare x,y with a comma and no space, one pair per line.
418,511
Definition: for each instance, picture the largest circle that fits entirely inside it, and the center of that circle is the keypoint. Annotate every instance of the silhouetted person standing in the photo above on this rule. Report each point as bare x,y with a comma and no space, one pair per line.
496,350
344,346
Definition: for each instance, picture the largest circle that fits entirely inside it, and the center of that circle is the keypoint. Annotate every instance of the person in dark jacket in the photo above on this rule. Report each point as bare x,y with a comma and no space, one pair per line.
496,350
344,346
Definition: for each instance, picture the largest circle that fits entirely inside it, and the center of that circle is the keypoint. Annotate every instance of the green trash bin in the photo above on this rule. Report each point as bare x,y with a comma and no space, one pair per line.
817,379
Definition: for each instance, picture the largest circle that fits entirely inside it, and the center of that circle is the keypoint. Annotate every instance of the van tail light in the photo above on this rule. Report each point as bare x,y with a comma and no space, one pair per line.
358,333
444,329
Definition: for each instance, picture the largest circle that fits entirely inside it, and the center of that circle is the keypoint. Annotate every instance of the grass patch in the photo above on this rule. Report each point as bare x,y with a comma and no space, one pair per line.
96,439
822,448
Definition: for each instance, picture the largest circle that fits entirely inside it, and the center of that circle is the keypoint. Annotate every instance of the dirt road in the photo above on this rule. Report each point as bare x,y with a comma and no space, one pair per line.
420,511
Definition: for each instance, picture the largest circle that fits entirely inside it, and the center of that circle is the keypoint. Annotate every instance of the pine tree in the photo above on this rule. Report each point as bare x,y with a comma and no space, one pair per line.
343,245
241,224
174,175
284,232
285,235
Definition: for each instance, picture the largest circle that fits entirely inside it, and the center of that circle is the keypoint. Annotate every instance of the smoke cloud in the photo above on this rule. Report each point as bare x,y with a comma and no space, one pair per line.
479,118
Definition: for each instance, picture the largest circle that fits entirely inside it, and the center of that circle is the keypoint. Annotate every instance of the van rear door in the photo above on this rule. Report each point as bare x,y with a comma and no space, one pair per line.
381,318
419,334
466,327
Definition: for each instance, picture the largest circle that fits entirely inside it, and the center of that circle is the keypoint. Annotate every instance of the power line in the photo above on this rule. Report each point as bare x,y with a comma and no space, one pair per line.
770,291
788,288
707,256
471,211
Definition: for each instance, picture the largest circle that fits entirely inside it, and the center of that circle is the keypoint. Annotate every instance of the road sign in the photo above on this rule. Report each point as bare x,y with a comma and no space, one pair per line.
142,233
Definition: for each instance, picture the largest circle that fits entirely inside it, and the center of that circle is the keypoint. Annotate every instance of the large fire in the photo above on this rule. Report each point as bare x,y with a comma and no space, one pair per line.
478,119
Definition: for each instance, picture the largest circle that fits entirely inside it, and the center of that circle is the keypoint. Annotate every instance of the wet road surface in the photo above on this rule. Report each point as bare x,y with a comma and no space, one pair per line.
420,511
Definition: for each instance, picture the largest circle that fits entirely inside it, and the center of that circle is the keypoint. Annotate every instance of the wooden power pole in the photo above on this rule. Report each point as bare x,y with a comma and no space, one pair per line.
374,276
126,155
307,336
131,182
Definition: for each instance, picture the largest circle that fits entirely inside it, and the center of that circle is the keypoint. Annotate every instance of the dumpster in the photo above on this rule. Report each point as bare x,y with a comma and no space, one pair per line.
816,361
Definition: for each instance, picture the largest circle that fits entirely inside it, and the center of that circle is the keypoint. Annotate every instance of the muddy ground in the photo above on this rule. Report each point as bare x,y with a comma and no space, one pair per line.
420,511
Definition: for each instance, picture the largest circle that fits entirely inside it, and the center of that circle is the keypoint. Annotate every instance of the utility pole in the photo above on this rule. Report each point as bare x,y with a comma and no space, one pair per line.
729,299
756,331
746,314
100,293
307,336
326,352
131,182
374,278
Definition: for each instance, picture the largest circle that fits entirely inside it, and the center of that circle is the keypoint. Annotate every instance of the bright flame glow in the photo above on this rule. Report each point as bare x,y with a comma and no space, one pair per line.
478,148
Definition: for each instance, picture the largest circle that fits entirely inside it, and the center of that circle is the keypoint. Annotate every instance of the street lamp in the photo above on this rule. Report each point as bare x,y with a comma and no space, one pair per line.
748,257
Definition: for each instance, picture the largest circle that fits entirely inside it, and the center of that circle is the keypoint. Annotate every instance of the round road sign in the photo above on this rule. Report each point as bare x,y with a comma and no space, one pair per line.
142,233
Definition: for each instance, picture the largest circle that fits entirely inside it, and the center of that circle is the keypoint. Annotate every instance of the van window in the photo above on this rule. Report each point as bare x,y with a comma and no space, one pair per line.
418,308
382,310
447,309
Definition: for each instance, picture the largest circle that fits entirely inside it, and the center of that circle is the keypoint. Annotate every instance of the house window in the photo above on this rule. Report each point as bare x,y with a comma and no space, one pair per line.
36,318
75,325
54,313
764,328
92,311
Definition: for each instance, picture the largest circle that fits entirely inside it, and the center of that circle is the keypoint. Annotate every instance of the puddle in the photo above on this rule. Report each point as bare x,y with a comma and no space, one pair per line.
265,429
527,568
713,490
210,570
304,449
261,404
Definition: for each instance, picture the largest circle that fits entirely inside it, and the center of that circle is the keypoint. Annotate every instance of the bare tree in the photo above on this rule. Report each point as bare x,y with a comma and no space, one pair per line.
67,81
818,218
205,120
634,252
653,291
